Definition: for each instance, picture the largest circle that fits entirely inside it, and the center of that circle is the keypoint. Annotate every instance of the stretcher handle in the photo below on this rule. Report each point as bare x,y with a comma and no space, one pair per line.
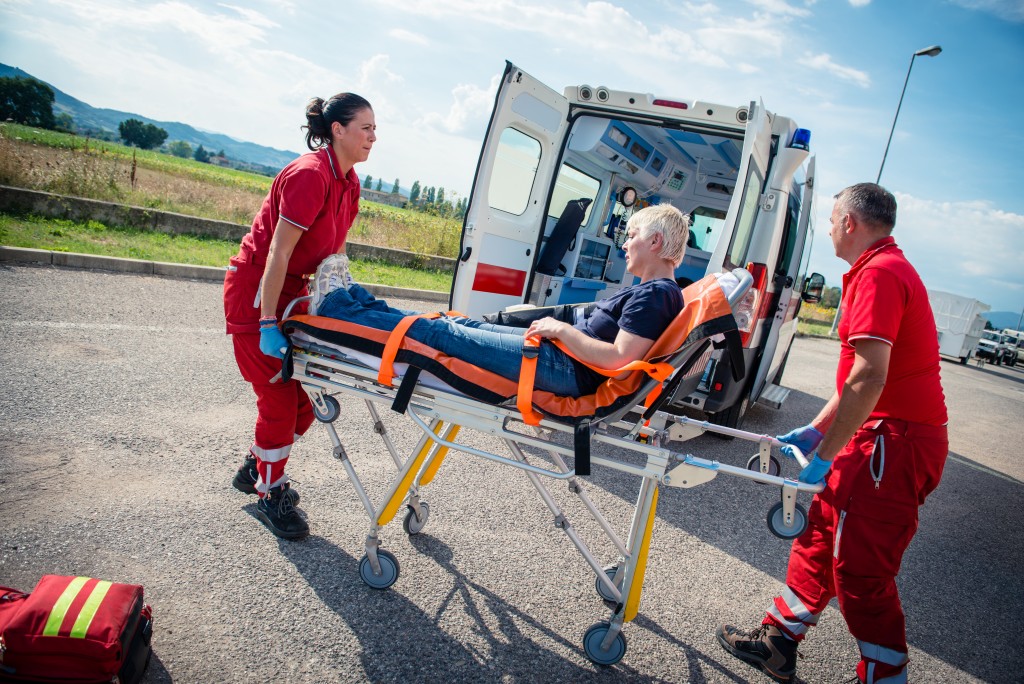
799,455
292,304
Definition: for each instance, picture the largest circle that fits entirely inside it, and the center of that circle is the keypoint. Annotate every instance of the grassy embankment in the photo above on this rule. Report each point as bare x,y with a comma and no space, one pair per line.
66,164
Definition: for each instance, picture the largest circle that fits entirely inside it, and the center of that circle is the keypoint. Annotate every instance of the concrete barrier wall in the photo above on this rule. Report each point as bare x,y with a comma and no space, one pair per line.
49,205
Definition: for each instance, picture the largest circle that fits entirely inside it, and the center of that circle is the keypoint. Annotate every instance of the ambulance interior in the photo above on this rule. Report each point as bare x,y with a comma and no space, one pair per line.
610,169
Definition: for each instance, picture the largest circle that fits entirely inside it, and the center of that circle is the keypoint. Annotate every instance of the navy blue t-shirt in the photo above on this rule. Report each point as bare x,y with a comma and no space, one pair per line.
644,310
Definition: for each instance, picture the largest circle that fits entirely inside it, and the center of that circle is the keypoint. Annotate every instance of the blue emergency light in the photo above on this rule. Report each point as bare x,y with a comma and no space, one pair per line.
801,139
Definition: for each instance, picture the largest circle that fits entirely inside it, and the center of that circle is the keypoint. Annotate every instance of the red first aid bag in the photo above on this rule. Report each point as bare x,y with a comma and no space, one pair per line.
74,629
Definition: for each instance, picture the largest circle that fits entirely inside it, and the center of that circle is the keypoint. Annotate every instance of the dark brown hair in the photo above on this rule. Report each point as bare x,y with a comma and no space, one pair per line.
320,114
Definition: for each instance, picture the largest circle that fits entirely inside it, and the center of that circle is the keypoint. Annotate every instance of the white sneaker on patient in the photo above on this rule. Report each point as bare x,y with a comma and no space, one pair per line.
331,274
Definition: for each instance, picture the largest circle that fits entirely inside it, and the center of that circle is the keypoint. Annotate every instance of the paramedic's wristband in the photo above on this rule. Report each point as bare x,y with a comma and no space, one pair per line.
268,322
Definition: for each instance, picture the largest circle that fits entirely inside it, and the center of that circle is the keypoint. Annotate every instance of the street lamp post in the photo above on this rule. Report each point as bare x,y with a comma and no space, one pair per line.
930,52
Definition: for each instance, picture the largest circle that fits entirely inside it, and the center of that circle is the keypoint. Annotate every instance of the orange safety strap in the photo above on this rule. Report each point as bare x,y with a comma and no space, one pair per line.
394,343
528,373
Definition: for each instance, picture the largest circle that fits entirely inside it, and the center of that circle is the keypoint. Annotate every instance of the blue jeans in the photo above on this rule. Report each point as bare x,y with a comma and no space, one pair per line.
496,348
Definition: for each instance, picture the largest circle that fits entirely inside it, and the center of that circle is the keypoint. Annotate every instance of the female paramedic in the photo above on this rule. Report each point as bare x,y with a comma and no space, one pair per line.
618,330
304,219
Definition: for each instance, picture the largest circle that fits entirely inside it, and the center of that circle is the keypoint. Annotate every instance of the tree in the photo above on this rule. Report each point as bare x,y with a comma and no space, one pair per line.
367,181
394,188
414,193
180,148
201,155
830,297
64,122
380,184
430,194
26,101
142,135
221,154
440,196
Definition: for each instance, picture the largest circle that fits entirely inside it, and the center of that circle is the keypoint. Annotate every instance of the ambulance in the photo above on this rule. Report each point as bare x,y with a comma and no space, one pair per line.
559,175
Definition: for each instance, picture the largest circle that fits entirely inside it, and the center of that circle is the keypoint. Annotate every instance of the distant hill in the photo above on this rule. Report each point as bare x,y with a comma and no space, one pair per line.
88,117
1003,319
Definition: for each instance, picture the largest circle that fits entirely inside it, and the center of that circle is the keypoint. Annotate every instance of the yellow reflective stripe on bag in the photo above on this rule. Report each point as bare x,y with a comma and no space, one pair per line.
88,612
60,608
85,615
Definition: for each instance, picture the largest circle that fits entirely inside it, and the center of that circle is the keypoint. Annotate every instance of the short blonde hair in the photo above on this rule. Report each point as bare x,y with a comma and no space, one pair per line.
672,224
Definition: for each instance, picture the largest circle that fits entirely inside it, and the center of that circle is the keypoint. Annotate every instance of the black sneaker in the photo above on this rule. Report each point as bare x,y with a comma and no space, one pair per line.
278,513
245,480
766,647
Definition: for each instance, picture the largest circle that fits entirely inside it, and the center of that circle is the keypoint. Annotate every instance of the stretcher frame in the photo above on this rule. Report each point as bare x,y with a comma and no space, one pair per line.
440,415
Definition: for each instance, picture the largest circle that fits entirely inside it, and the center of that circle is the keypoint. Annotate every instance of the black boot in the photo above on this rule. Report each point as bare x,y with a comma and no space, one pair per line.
278,513
766,647
245,479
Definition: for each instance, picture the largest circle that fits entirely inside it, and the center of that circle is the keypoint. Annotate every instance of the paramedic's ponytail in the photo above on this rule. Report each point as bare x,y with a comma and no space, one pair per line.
320,114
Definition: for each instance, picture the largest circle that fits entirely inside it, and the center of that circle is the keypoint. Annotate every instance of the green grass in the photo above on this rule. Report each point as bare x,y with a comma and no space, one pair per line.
814,328
157,161
96,238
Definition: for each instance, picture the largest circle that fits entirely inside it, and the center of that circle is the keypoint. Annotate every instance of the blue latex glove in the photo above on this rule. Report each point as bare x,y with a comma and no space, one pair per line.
272,341
806,439
815,471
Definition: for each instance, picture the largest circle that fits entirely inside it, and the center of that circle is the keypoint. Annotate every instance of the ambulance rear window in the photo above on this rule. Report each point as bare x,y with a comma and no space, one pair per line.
514,171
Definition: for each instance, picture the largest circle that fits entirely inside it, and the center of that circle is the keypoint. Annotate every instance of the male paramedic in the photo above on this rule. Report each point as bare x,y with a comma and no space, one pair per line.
879,444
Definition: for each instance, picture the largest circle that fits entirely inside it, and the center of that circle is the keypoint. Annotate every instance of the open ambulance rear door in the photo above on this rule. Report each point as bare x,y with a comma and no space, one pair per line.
508,202
788,280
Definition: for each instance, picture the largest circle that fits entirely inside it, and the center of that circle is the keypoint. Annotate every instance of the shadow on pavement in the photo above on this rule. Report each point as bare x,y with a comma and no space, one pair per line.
400,642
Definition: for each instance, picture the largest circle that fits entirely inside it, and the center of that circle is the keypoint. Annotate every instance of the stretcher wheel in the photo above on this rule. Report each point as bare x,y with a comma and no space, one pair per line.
773,465
413,525
777,524
330,413
388,570
602,590
592,645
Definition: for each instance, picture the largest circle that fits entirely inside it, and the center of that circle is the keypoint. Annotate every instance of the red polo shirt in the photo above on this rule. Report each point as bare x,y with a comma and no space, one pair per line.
884,299
311,194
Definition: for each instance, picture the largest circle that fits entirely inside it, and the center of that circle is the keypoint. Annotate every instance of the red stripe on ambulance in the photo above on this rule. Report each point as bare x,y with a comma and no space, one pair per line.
499,280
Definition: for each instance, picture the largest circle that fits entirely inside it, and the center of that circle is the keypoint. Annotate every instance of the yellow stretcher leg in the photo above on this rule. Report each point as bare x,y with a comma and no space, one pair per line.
388,514
636,586
435,465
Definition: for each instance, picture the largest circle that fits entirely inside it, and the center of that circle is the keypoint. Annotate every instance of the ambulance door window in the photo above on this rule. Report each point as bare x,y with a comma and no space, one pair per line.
707,228
737,254
573,184
514,171
789,232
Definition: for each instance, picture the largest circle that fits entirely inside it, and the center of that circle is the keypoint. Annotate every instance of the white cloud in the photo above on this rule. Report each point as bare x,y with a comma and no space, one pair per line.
1008,10
409,37
860,3
823,62
970,248
779,7
470,105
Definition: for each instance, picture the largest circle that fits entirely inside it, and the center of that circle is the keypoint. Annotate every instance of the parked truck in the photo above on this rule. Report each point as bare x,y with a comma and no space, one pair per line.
959,323
997,348
1017,339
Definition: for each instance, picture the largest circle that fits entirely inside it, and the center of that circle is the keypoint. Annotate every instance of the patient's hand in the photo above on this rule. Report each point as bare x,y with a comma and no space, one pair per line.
548,327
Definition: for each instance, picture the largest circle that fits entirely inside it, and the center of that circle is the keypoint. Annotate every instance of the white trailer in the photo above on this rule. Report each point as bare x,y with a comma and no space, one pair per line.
959,323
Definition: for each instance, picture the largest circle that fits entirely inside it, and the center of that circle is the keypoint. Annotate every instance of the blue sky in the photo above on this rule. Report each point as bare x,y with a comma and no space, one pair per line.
430,67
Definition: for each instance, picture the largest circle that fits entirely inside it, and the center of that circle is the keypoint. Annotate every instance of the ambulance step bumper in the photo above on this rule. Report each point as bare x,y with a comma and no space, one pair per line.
774,396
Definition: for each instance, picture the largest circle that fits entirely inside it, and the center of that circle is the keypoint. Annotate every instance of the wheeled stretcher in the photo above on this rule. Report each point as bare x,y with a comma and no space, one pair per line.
448,401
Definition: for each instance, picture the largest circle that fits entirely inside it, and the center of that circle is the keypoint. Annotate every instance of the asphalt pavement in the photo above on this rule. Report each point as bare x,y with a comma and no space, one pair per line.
124,418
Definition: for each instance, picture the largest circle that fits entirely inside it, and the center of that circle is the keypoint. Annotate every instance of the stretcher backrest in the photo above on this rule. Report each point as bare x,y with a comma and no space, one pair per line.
706,312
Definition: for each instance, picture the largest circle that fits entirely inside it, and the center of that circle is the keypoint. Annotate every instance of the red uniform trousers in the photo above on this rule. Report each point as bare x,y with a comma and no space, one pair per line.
283,408
858,529
284,411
